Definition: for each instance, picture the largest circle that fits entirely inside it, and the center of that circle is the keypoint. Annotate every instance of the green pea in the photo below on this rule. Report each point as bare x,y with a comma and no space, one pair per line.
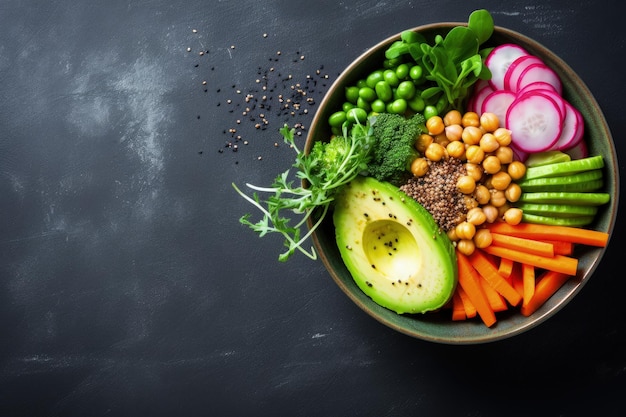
362,104
417,104
352,93
397,106
337,118
392,62
416,72
402,71
383,91
373,78
361,83
357,114
406,90
347,106
430,111
391,78
378,106
367,93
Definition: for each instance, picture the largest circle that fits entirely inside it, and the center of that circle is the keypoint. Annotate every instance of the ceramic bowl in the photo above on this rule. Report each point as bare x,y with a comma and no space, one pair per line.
438,327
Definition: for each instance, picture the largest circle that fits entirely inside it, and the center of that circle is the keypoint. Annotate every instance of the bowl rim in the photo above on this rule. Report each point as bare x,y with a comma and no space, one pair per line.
549,310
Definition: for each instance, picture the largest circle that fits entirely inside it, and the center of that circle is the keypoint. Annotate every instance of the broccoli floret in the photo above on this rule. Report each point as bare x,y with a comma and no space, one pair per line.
394,149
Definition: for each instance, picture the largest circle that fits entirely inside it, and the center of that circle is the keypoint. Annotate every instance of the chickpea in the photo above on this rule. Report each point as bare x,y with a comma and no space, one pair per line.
456,149
504,154
474,154
453,117
470,118
435,125
471,135
482,238
474,170
435,152
491,164
513,216
516,170
422,142
482,194
442,139
419,167
466,246
513,192
466,184
476,216
503,208
497,198
452,234
454,132
500,180
469,202
488,143
489,121
503,136
465,230
491,213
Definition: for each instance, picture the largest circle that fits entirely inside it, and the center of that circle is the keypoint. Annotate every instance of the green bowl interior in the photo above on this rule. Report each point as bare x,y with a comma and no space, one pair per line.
438,327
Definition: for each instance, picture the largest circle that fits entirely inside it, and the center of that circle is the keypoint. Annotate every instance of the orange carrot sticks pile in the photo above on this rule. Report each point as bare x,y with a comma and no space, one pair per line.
523,267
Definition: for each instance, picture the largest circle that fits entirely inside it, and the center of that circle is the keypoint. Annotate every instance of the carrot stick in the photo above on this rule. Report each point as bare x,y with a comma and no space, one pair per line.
496,301
470,310
536,247
505,268
458,311
557,263
548,284
561,247
528,283
543,231
490,273
469,280
516,279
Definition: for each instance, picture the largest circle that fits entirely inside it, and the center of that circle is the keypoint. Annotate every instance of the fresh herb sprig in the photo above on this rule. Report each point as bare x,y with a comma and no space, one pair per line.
453,63
322,172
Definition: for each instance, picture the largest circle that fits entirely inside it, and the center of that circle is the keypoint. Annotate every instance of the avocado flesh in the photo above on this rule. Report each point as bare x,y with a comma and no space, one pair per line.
393,248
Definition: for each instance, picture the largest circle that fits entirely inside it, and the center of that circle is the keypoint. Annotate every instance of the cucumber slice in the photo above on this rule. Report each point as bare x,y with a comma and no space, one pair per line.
581,182
547,157
557,221
565,168
583,199
557,210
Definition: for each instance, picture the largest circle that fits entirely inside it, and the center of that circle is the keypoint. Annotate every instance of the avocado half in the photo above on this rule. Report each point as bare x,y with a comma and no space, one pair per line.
393,248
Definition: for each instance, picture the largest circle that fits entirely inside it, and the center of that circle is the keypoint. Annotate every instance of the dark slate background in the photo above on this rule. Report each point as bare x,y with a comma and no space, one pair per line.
127,285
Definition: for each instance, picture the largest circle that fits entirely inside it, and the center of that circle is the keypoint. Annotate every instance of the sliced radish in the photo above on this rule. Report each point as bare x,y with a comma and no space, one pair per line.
578,151
539,72
572,128
535,122
499,60
537,85
516,69
558,99
518,154
479,96
498,103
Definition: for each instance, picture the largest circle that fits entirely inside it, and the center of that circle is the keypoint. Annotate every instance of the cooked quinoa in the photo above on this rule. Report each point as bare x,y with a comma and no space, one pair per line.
438,193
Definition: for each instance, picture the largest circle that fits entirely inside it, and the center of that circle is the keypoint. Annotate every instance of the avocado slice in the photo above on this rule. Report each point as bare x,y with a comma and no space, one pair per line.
393,248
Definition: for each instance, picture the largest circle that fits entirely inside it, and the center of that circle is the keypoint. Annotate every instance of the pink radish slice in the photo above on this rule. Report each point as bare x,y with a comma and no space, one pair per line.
498,103
558,99
518,154
516,69
572,128
537,85
539,72
578,151
479,96
499,60
534,122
